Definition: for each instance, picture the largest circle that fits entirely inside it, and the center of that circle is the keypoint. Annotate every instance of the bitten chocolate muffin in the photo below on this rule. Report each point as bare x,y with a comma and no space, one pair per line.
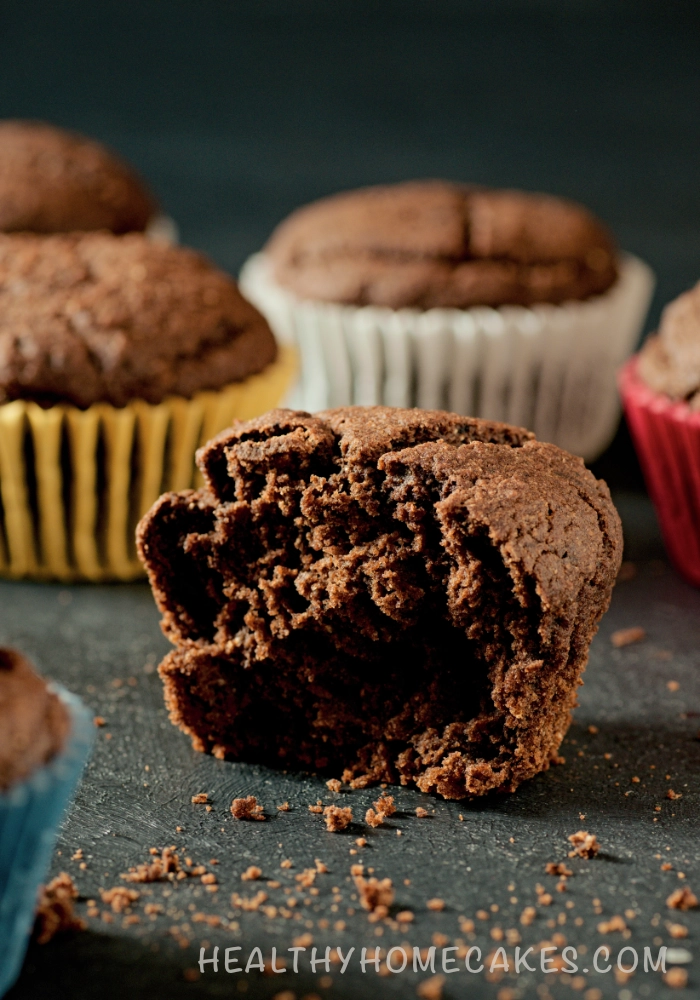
400,595
427,244
34,723
669,362
56,181
92,317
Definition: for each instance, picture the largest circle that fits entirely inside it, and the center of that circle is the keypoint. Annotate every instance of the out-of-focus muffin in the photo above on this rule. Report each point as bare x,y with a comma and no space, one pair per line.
501,304
118,357
52,180
661,393
432,244
45,737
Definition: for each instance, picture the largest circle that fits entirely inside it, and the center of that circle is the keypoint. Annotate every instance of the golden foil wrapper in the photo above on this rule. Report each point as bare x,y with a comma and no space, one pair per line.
74,483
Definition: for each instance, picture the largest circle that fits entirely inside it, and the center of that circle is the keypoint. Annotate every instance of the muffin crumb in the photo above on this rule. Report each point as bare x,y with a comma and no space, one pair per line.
55,911
337,817
585,844
247,808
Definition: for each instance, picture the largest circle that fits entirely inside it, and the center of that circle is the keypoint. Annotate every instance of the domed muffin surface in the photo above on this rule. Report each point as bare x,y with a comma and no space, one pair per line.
426,244
93,317
52,180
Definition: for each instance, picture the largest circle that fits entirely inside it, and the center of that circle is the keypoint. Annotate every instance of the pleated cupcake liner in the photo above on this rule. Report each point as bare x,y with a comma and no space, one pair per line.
550,368
74,483
666,437
30,814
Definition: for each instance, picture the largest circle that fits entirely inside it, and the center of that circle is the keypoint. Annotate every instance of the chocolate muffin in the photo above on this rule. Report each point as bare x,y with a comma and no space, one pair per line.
34,722
54,181
92,317
669,362
427,244
660,389
398,595
45,739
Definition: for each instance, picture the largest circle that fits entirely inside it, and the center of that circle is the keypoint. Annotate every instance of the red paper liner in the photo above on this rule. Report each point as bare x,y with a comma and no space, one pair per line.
666,436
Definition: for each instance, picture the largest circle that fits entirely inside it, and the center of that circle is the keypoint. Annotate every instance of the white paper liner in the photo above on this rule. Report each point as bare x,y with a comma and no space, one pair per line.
163,229
550,368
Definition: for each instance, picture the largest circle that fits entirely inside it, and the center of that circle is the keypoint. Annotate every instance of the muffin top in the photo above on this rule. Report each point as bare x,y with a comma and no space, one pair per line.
669,362
34,722
426,244
55,181
91,317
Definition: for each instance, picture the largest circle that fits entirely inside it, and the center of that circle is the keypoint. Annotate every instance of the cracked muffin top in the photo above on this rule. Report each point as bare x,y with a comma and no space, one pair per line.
93,317
669,362
426,244
55,181
34,723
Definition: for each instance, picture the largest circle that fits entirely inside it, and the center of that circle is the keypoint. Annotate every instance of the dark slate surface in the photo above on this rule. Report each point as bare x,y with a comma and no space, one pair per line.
237,112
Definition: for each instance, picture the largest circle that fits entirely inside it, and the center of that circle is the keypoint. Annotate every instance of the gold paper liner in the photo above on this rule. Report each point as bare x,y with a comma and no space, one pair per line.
74,483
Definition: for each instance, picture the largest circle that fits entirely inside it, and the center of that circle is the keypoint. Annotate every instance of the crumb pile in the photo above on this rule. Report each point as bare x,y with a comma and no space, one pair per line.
55,912
402,595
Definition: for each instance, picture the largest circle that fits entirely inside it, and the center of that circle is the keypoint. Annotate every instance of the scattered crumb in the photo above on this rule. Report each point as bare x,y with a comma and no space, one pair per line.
303,941
318,808
404,916
626,636
119,898
357,869
200,798
373,818
249,903
558,868
287,863
673,685
421,813
152,909
54,911
361,842
306,878
528,915
676,978
164,864
677,930
592,730
337,817
431,989
334,785
374,893
247,808
615,923
584,844
284,807
436,904
99,721
385,805
320,866
670,794
682,899
251,873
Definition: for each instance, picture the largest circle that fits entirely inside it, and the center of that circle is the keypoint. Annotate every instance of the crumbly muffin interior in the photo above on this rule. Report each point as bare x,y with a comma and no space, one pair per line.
396,595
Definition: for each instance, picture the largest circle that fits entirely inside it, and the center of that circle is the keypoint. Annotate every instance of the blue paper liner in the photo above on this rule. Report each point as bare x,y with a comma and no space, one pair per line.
30,813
